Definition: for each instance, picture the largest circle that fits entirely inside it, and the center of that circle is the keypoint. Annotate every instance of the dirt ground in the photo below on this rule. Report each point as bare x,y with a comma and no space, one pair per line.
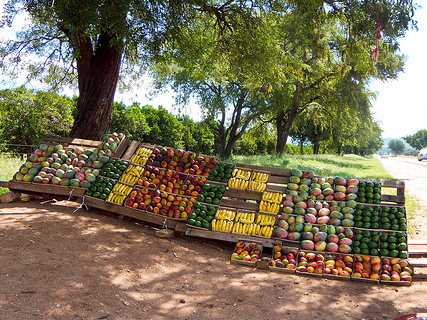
59,263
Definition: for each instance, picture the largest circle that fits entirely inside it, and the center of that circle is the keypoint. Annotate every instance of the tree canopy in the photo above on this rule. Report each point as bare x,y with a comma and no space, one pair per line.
418,140
396,146
26,116
293,46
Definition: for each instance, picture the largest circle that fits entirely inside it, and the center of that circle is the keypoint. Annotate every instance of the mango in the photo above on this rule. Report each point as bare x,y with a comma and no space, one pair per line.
343,248
296,172
28,177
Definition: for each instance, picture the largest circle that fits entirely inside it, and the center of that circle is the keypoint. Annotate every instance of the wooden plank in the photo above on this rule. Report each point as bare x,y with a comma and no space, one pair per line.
72,141
243,194
273,171
392,183
226,236
417,253
47,189
132,212
418,277
276,188
130,151
122,148
4,184
399,200
239,204
84,143
278,179
418,263
417,242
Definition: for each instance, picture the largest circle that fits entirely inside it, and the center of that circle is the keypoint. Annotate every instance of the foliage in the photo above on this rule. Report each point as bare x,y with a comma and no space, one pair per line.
197,136
26,116
323,45
129,120
220,73
417,140
258,140
396,146
98,42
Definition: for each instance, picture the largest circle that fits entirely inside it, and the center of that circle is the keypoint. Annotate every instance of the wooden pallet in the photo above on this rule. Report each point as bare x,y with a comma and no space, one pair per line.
417,250
399,198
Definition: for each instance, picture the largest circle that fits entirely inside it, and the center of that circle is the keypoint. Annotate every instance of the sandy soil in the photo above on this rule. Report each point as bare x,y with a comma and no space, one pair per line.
59,263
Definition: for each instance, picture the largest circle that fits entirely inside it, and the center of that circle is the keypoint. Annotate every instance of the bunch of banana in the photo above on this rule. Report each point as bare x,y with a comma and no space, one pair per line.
271,202
265,231
257,185
119,193
245,228
141,155
132,174
222,225
260,176
271,196
245,217
265,220
241,174
268,206
225,214
238,183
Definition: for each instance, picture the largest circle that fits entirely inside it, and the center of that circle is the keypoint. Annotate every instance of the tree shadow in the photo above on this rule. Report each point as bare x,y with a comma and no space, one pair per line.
89,265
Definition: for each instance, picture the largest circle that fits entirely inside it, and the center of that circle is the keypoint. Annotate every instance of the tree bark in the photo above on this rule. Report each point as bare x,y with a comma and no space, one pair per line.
316,147
98,73
284,121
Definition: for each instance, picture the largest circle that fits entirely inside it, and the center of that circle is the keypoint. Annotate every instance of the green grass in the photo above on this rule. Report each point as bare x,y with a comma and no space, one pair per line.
348,166
9,166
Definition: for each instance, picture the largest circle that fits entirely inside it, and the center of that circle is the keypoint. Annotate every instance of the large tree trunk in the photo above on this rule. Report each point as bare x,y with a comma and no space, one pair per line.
98,73
232,132
284,121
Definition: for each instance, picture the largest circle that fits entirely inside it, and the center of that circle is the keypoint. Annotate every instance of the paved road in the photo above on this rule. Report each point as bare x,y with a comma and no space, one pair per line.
413,172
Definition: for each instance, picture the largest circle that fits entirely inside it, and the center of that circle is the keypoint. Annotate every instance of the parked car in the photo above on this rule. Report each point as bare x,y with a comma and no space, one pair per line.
385,155
423,154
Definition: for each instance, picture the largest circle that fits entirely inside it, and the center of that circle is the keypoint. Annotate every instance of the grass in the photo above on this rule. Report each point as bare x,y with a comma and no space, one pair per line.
348,166
9,165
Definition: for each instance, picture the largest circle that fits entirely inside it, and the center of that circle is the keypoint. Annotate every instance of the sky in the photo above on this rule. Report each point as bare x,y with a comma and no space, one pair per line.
400,106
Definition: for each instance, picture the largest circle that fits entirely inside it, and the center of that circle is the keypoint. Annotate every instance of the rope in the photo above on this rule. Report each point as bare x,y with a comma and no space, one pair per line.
70,195
81,205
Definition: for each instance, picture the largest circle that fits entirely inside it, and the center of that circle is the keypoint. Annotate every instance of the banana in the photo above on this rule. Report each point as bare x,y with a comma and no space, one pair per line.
245,227
249,230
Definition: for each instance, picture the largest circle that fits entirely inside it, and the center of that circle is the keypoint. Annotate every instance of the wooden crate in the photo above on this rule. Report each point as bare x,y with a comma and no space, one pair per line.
399,198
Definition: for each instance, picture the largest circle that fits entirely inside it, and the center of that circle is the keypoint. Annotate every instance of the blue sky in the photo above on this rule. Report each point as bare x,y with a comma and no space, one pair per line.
400,107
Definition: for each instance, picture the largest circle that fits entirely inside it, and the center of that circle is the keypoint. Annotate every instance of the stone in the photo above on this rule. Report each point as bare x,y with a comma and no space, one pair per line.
9,197
165,234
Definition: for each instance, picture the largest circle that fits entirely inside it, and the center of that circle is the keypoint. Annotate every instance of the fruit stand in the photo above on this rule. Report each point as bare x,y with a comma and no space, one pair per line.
335,227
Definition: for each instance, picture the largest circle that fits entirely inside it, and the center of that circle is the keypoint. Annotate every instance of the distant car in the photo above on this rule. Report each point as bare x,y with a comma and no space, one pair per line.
423,154
384,156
